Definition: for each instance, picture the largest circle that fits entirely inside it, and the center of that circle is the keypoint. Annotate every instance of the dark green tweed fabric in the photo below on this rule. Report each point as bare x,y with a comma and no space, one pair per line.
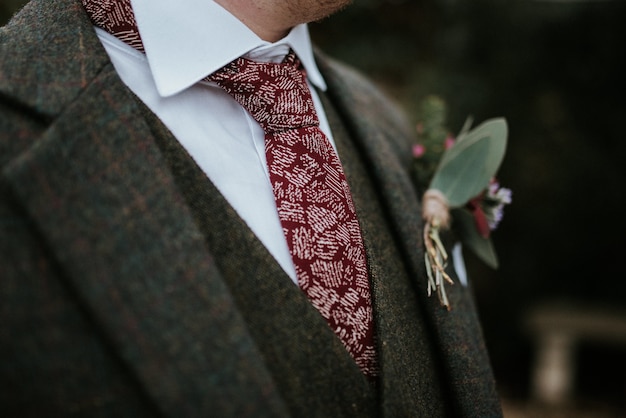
116,301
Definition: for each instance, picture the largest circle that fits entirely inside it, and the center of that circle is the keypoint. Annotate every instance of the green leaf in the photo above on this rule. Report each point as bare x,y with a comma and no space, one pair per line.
463,223
466,169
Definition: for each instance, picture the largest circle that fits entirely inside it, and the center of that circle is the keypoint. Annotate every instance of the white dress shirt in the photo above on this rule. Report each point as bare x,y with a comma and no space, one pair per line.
184,42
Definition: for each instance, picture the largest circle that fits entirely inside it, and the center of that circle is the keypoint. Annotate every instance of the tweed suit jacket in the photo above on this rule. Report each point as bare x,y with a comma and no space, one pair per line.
129,287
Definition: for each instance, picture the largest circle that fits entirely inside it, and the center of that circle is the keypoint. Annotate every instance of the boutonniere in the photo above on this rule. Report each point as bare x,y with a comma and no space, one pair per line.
462,192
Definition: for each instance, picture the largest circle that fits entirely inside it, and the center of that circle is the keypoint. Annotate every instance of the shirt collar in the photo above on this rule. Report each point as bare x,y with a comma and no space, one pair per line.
187,40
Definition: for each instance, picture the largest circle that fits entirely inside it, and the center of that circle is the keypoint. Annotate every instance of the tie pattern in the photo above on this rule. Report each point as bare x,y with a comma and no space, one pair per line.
115,17
312,195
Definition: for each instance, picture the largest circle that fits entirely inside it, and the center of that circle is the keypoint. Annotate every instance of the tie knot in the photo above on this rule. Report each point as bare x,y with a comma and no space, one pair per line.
276,94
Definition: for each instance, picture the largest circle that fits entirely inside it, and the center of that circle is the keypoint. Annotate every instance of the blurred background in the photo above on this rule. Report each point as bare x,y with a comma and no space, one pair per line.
554,313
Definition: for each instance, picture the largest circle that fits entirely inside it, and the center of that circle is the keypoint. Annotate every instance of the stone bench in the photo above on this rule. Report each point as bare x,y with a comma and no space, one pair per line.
556,330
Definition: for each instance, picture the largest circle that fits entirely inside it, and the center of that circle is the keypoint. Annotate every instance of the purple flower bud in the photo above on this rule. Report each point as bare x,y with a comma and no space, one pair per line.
493,204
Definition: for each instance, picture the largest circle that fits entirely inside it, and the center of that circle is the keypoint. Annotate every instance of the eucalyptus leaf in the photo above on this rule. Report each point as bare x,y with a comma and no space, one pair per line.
466,168
480,246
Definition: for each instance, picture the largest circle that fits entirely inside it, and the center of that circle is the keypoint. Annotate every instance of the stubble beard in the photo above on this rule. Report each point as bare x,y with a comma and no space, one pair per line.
316,10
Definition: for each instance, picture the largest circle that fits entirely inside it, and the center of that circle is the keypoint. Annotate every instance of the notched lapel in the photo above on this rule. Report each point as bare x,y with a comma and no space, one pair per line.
101,195
385,145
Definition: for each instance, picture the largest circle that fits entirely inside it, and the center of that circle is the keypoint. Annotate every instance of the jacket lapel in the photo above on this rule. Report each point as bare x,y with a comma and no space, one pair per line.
385,147
99,191
410,380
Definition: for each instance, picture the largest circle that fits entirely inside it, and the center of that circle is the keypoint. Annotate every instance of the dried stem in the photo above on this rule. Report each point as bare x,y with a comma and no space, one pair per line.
436,259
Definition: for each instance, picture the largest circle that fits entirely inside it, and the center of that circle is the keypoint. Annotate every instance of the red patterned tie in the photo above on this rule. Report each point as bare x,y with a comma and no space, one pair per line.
312,195
115,17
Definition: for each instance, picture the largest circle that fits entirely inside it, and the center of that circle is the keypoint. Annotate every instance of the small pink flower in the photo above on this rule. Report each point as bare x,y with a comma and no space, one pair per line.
449,142
418,150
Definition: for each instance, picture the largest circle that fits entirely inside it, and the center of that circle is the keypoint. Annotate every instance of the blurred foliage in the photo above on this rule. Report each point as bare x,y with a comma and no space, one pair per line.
431,135
555,70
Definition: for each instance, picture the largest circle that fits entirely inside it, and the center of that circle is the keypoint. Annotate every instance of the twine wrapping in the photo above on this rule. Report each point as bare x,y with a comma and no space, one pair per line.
435,208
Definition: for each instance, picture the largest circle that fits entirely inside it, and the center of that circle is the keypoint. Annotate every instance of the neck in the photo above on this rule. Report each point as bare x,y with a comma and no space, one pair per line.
266,20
